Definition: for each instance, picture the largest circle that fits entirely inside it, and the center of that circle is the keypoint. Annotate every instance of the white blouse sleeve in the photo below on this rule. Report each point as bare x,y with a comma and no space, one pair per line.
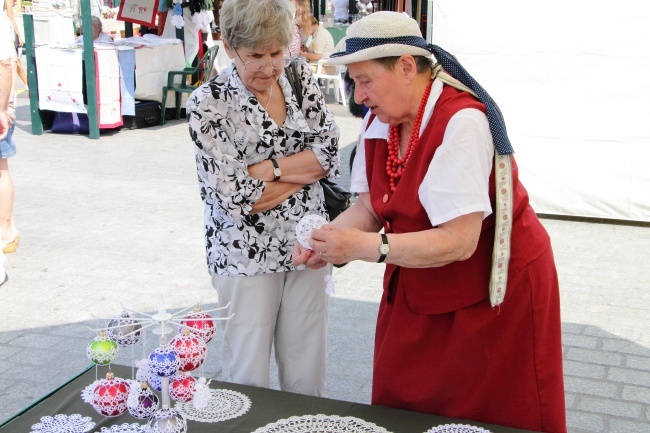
457,180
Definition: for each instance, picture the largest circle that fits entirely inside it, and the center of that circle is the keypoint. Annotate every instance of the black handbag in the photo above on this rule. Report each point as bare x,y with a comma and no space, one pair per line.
337,198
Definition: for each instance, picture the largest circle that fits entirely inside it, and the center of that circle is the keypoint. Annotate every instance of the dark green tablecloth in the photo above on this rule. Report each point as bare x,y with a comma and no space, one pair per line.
267,406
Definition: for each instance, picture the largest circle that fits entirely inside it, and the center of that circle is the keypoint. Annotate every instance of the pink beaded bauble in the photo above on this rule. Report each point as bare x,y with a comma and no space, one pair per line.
182,387
110,396
191,350
200,324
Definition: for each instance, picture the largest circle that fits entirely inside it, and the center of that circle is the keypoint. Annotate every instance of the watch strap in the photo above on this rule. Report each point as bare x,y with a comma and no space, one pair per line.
384,241
276,167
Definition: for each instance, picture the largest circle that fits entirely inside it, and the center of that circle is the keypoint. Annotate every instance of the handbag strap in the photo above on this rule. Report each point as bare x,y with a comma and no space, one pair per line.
291,72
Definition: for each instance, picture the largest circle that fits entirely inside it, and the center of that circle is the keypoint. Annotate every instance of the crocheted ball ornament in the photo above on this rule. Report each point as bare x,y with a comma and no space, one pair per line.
142,401
167,420
200,324
182,387
191,350
306,226
102,349
125,330
110,396
164,361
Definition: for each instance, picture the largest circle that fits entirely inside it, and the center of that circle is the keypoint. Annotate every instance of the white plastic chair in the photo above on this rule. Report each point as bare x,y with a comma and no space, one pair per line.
335,77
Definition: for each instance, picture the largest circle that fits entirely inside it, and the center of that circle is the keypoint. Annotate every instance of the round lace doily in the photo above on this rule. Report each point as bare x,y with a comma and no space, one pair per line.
457,428
223,405
125,428
60,423
321,423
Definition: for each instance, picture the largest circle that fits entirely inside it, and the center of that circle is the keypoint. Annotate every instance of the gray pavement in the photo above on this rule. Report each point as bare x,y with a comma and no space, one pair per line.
117,222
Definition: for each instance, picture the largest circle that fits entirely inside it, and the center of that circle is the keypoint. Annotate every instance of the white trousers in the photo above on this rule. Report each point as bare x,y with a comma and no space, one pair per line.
285,309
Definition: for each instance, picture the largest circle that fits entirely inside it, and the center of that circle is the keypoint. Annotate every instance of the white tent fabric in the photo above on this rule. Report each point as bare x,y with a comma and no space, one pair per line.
572,79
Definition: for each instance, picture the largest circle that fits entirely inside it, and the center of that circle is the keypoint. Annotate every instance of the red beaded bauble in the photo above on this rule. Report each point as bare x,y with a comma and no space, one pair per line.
200,324
395,164
182,387
110,396
191,350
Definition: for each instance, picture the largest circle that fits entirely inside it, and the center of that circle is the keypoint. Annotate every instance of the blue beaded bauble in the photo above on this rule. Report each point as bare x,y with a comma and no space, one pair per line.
164,361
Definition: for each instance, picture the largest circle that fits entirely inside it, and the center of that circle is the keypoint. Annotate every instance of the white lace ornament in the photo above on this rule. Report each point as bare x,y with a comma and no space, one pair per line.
164,361
222,405
201,394
110,396
167,420
321,423
306,226
181,387
125,330
142,401
142,372
60,423
457,428
102,350
191,350
125,428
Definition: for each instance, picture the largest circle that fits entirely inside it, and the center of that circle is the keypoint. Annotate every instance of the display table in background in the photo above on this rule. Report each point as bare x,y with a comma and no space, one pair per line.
267,406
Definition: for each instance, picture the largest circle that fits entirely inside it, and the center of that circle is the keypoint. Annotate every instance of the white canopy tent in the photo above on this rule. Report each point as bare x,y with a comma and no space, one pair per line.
572,79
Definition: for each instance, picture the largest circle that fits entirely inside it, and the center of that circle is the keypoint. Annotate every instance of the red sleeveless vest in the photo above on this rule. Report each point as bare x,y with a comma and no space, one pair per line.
459,284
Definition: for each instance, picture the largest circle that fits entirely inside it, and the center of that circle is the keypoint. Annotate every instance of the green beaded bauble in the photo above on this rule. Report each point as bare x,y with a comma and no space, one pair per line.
102,350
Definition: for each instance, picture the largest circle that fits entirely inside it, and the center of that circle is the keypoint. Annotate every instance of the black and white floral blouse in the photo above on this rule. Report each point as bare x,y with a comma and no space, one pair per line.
231,131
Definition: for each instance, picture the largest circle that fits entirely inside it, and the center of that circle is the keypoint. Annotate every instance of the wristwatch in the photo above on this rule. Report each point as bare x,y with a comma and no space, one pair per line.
276,170
384,248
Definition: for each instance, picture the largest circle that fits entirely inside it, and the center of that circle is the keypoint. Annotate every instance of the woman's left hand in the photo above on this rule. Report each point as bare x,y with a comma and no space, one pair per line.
310,258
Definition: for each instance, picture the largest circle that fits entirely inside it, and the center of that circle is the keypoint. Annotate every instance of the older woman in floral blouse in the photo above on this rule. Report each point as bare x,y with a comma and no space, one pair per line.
259,158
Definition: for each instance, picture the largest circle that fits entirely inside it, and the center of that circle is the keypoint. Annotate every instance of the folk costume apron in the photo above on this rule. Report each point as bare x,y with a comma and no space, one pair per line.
440,347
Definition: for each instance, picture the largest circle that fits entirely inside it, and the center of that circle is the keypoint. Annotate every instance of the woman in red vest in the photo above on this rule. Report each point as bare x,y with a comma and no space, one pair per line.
450,340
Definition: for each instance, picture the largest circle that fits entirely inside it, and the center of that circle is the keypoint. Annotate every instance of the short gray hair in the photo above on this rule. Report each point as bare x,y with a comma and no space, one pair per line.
256,23
97,22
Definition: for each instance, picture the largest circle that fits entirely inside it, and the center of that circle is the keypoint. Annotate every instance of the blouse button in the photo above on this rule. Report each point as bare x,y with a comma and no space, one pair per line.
385,198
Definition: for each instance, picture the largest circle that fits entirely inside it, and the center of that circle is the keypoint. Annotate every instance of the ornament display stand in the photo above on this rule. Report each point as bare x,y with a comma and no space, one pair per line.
173,360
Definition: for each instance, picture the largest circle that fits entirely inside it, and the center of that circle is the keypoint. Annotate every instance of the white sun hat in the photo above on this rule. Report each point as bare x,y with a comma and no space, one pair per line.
381,34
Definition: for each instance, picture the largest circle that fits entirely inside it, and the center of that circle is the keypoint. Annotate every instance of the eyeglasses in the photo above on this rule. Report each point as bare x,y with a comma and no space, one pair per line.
258,65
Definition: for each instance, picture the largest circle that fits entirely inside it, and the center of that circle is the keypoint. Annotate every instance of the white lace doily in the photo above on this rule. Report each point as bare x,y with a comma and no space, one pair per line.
125,428
223,405
60,423
305,226
457,428
321,423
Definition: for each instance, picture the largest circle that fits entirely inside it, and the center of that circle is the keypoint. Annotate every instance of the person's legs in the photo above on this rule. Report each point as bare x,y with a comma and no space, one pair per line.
248,335
8,230
301,332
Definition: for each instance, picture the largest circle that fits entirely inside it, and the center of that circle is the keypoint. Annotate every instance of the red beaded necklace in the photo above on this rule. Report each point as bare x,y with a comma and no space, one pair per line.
395,164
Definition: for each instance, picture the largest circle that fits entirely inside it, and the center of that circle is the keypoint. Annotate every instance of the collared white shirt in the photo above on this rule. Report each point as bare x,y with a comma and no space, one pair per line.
457,180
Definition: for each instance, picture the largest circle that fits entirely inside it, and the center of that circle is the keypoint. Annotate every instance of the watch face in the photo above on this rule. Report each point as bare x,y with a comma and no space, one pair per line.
384,248
277,172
